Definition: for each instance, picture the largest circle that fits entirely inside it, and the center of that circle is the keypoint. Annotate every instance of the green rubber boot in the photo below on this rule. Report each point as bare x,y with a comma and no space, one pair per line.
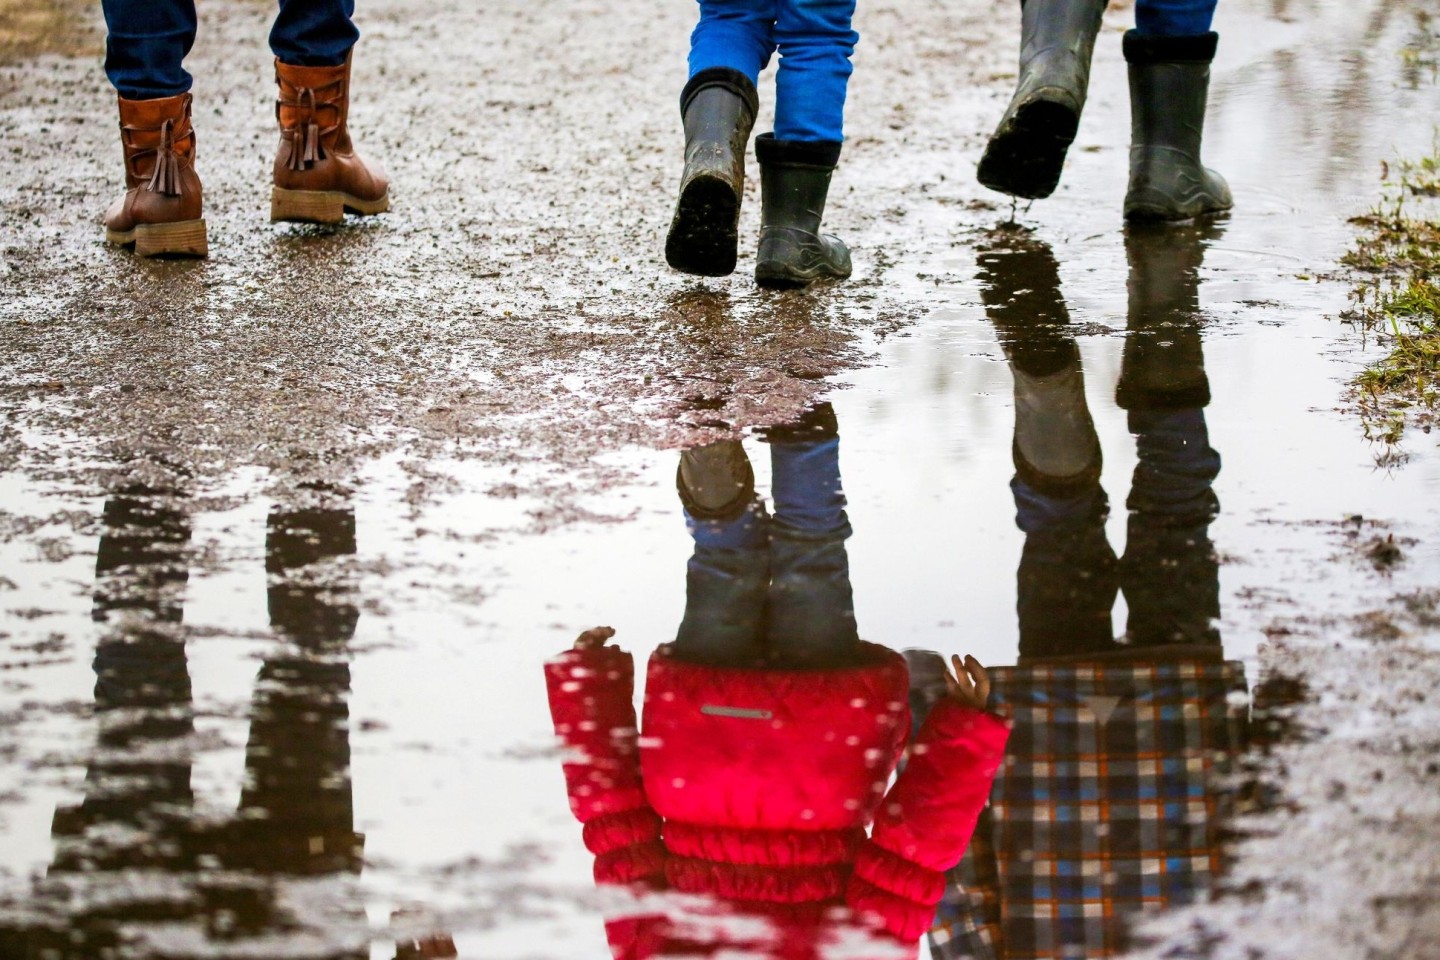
1027,151
1169,83
794,181
718,107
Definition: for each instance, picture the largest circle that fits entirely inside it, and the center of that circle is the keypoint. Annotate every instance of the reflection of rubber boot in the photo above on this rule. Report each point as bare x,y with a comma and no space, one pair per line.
319,617
1020,288
718,107
1169,82
1027,151
794,182
1164,366
715,482
1056,448
317,173
160,212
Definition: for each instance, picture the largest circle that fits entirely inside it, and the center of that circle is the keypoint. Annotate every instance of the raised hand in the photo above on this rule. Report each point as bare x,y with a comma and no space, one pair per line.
595,637
970,684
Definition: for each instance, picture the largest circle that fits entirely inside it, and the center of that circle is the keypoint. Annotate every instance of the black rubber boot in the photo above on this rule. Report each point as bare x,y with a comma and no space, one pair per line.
794,181
1169,81
718,107
1027,151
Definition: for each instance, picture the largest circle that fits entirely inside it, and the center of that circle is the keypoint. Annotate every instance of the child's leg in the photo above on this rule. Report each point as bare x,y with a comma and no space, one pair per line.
145,44
730,46
726,576
815,41
735,35
809,609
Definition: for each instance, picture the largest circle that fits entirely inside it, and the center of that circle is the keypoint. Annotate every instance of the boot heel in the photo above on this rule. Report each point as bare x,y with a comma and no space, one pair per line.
184,239
306,206
704,235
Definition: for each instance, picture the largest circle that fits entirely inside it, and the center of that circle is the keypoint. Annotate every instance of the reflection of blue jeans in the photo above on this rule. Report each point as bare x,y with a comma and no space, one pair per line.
775,589
1067,579
815,42
148,39
1174,18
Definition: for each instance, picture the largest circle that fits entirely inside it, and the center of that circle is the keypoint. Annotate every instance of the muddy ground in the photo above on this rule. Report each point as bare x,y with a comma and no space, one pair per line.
491,382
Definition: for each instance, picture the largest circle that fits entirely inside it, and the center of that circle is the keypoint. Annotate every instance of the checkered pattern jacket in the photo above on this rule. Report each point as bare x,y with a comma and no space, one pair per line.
1107,804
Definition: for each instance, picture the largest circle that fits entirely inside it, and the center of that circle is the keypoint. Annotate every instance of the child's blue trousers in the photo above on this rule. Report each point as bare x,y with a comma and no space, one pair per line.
814,40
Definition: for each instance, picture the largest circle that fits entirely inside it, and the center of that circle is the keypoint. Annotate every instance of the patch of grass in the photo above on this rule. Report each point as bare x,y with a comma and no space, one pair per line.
1397,303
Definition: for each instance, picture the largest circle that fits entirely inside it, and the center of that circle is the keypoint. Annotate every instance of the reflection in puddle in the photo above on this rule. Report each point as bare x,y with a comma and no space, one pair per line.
1108,802
768,737
136,871
770,730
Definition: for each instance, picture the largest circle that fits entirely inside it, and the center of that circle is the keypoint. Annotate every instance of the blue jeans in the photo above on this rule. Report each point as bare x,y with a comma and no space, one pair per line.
775,589
1174,18
148,40
1069,576
815,43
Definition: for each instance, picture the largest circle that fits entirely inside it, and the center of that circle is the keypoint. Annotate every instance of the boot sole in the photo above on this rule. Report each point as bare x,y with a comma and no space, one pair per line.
780,276
321,206
704,235
185,238
1026,157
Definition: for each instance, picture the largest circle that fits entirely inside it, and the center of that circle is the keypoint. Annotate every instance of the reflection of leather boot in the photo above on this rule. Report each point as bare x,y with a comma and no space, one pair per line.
1169,82
715,481
794,182
1164,366
160,212
718,109
1027,151
318,616
318,175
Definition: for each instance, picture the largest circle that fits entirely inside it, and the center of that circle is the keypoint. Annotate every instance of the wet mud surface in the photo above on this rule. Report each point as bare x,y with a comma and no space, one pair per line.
288,535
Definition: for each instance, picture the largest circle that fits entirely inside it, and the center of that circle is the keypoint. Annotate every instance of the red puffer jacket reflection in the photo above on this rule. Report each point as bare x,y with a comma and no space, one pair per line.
754,787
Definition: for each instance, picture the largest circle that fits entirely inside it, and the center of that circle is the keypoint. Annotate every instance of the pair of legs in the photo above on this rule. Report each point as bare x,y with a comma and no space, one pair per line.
1169,54
767,589
317,174
295,818
1069,575
731,44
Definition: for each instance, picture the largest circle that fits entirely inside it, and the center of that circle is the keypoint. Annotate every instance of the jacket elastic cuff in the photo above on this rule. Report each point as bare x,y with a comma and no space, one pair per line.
806,153
732,80
1143,48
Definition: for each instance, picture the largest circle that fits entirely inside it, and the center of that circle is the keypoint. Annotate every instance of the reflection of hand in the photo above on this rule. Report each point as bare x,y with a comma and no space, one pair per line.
594,638
970,685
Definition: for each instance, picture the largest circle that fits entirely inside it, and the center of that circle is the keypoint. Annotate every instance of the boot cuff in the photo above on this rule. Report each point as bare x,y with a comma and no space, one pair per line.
815,424
808,153
732,80
1143,48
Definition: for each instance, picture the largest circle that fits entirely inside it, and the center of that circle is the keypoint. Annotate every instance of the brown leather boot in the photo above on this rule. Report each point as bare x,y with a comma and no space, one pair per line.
160,212
318,174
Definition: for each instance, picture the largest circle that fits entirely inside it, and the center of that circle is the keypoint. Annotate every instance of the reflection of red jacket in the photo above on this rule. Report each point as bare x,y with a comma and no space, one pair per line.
755,787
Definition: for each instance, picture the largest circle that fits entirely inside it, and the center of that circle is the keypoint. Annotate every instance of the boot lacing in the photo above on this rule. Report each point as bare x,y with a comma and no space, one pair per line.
165,178
307,145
